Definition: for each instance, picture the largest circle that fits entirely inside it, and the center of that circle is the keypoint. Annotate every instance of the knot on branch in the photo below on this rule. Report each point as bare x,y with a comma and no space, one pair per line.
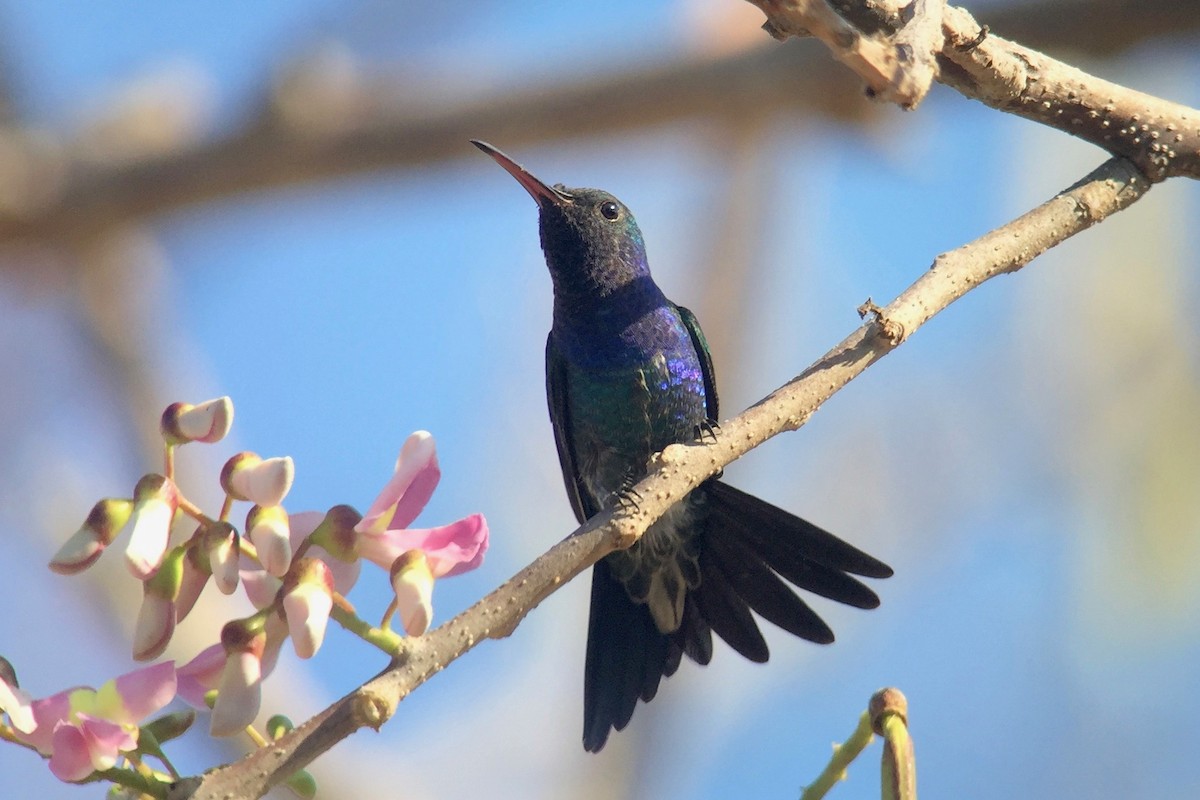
370,709
896,58
885,327
971,44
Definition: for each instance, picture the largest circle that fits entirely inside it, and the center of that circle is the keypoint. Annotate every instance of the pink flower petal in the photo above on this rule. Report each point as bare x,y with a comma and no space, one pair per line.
224,550
147,690
103,523
191,585
78,553
239,694
155,625
68,751
413,584
302,524
207,422
260,587
412,484
276,629
200,675
150,526
267,529
18,705
105,740
307,610
451,549
48,712
265,482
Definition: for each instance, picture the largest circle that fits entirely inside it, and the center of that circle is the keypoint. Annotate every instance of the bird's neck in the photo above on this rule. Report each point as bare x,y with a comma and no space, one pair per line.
624,326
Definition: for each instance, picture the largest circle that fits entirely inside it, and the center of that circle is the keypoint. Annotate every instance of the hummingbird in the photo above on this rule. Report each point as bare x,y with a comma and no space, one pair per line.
629,373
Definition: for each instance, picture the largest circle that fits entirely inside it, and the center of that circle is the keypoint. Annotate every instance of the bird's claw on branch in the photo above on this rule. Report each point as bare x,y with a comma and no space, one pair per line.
707,428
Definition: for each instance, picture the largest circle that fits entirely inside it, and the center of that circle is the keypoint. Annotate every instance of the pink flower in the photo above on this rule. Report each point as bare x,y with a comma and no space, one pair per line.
446,550
451,549
203,673
83,730
261,587
383,533
412,484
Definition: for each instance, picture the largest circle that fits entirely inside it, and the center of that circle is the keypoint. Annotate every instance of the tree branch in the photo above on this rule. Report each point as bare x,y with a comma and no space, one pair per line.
676,471
900,71
1161,137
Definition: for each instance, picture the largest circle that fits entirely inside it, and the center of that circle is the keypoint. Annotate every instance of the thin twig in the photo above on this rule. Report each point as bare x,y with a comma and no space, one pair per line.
843,755
888,711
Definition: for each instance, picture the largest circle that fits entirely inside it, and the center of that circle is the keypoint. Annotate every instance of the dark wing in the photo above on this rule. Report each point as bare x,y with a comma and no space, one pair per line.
557,392
706,366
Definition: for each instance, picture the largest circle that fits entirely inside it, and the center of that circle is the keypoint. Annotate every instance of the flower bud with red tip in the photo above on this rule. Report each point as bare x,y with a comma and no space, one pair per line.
222,545
336,533
84,547
239,692
207,422
307,601
156,618
267,529
265,482
412,580
155,500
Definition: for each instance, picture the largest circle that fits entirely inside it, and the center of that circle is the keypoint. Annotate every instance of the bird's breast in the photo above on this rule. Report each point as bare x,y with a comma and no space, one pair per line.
621,416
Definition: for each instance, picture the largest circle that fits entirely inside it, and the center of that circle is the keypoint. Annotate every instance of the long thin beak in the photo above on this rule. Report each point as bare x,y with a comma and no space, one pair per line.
540,192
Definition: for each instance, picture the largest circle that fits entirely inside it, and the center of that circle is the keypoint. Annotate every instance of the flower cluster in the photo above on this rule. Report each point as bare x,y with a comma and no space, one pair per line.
295,568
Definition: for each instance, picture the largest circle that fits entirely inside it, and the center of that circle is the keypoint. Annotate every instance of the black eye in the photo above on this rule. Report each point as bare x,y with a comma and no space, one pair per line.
610,211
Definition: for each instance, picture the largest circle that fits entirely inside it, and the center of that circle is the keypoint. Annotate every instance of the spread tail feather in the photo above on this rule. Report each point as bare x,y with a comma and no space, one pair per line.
749,552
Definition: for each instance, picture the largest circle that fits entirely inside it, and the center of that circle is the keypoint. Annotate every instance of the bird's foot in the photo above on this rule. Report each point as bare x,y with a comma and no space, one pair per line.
707,428
627,497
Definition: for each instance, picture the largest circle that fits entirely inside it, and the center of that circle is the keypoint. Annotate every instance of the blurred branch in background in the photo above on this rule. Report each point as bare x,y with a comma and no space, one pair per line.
326,119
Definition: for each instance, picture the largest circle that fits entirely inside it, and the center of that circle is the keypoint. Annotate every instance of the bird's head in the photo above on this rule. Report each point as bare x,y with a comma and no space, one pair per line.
591,241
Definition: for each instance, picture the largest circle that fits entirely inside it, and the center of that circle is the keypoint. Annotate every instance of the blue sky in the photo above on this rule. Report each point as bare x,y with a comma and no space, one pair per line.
1013,461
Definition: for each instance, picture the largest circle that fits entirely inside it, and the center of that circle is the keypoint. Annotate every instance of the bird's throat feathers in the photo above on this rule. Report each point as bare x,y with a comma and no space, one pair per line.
598,265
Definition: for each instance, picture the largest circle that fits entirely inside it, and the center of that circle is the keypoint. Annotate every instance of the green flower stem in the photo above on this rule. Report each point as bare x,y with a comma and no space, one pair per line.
386,640
146,784
843,754
192,510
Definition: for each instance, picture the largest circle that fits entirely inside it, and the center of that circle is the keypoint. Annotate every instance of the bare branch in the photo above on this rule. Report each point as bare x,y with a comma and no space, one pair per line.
1161,137
676,471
